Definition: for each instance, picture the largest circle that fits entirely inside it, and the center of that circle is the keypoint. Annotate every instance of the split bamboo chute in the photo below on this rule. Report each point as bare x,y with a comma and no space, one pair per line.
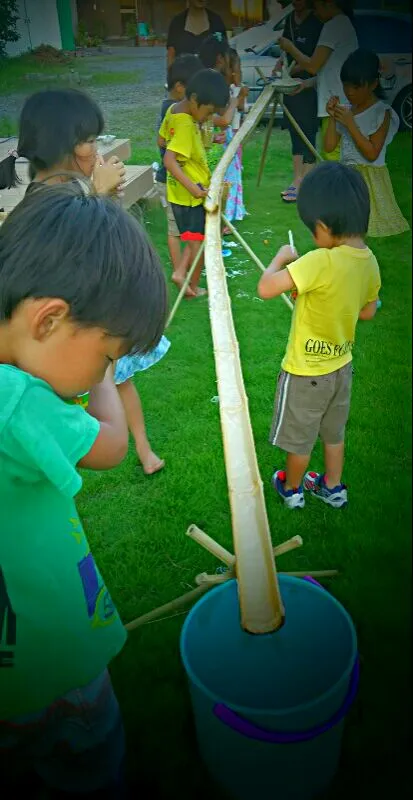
253,564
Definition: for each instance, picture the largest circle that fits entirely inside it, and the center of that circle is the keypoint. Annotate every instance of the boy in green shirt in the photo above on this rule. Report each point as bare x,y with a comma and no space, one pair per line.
80,286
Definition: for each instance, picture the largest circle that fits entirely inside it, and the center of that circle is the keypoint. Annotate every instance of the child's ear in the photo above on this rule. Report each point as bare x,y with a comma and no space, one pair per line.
46,316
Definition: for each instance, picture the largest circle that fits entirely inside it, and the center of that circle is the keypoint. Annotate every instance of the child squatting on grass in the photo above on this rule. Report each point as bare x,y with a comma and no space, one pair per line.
80,286
336,285
188,175
57,134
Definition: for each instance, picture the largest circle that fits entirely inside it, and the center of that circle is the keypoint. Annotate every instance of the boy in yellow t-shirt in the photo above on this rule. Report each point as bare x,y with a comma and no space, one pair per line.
188,174
336,285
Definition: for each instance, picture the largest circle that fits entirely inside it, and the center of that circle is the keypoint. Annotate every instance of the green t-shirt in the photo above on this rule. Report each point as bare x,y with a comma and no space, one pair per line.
58,626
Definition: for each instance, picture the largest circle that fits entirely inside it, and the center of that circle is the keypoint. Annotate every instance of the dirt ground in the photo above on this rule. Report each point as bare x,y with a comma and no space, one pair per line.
129,109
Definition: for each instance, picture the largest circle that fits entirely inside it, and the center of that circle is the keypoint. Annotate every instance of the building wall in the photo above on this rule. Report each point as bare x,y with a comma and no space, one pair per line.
40,26
101,17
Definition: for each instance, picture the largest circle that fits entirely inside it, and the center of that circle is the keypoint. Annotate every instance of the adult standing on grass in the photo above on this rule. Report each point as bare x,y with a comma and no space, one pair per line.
189,29
337,40
303,28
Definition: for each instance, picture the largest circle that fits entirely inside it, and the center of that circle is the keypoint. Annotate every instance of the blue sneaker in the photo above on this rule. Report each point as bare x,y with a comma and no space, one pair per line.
315,483
293,498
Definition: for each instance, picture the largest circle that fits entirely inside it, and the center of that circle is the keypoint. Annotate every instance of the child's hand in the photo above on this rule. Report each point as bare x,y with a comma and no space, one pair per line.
344,115
219,138
108,176
277,67
286,255
332,105
243,93
199,192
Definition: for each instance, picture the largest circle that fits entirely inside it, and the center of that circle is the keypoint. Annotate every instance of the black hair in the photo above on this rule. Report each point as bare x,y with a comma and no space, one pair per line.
360,68
336,195
212,47
210,88
347,7
182,69
52,123
88,251
234,57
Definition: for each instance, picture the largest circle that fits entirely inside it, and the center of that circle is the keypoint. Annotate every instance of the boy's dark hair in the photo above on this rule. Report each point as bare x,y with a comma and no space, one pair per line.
91,253
360,68
183,69
336,195
52,123
212,47
210,88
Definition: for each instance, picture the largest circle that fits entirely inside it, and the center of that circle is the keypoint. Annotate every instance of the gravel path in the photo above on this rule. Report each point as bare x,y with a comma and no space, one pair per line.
128,108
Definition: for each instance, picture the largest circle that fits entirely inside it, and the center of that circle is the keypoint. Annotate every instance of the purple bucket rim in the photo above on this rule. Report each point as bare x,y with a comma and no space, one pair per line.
247,710
251,731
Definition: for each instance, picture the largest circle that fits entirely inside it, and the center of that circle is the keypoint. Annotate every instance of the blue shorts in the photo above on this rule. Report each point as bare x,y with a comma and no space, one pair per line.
75,745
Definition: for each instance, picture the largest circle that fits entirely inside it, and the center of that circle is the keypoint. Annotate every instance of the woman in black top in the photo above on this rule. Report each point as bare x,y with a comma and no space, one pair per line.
303,28
188,30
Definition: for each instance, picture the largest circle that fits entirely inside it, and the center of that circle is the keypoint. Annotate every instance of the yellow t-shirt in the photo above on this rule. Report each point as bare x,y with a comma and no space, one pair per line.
183,137
333,286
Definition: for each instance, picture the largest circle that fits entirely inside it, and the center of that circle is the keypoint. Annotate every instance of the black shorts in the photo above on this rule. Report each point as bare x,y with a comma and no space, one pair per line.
303,107
190,221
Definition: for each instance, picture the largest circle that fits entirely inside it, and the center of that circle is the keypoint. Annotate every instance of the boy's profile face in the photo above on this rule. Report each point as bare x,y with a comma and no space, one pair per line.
179,91
48,344
200,113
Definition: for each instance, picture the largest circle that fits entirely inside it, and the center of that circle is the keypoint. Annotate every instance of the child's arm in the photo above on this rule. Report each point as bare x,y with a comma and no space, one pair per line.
224,120
171,164
311,64
111,445
369,146
332,137
369,311
161,142
276,280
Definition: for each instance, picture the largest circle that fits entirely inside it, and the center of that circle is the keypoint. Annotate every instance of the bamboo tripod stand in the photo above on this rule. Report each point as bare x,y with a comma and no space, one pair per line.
253,564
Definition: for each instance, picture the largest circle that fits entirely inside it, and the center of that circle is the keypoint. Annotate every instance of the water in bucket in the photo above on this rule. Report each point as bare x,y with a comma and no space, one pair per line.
263,704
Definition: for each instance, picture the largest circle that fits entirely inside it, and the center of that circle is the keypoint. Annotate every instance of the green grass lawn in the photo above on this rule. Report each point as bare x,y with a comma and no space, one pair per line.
15,74
137,525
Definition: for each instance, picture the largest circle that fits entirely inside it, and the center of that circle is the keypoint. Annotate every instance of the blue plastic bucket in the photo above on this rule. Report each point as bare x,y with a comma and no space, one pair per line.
269,710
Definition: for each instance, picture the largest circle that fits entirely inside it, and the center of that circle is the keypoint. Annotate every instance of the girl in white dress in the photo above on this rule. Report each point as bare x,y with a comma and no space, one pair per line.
364,128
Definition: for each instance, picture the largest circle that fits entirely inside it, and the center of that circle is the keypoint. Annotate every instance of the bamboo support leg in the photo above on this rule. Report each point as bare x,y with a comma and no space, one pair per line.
216,580
185,284
252,255
211,545
267,139
174,605
301,133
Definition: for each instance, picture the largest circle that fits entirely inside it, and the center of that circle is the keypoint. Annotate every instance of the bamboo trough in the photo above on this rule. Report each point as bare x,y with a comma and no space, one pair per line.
253,564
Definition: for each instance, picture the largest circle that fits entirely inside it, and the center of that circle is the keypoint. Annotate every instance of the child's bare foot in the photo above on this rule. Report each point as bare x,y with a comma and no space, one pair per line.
179,281
200,292
152,463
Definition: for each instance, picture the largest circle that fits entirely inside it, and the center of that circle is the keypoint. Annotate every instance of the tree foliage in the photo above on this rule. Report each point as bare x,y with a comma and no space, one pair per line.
8,24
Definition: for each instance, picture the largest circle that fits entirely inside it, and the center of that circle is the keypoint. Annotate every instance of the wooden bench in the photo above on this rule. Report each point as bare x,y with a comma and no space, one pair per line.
139,179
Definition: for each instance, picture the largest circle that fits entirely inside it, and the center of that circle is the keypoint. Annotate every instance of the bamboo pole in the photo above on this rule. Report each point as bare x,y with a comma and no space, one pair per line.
258,590
267,140
228,558
185,284
252,255
216,580
184,599
251,121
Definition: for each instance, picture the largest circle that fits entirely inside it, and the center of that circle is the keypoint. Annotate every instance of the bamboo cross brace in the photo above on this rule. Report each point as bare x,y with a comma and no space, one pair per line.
228,558
185,284
252,255
216,580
